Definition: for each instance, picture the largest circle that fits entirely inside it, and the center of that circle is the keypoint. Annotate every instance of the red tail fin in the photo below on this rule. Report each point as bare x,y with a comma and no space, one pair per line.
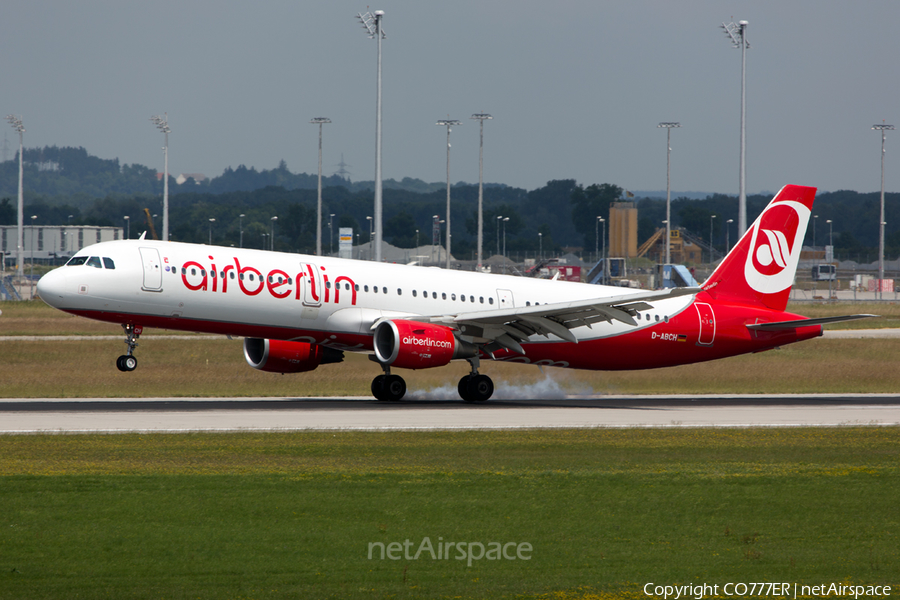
761,267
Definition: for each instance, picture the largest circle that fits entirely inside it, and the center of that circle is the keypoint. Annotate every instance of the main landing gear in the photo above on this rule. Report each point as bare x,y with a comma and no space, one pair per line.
474,387
387,387
128,361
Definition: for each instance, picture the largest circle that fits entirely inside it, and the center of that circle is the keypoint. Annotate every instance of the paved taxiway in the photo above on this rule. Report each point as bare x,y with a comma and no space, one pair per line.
289,414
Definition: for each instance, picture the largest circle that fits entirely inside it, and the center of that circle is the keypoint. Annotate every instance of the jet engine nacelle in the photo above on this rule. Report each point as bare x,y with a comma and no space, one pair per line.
415,345
279,356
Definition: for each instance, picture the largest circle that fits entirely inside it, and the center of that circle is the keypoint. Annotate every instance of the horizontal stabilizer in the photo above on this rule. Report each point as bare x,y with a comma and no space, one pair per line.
781,325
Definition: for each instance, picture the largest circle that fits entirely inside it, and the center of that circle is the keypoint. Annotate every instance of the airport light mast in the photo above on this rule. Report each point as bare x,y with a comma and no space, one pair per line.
319,121
162,123
738,35
882,128
668,127
449,123
481,118
16,123
372,24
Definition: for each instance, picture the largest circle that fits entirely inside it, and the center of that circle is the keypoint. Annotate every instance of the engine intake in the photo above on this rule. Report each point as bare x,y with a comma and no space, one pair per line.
415,345
279,356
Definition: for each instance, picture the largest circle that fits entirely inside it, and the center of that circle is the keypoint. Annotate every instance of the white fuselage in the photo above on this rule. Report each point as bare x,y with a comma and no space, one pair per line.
278,295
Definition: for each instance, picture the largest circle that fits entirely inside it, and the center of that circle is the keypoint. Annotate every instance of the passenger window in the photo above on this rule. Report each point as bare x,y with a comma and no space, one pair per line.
231,275
434,295
444,296
481,299
384,290
94,261
183,271
471,298
527,303
657,318
251,277
355,287
375,289
108,263
399,292
76,261
365,288
490,300
203,272
462,297
453,296
414,293
193,271
327,283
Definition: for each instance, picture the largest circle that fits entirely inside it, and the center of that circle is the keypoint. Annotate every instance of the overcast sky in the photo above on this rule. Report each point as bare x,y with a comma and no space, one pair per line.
576,89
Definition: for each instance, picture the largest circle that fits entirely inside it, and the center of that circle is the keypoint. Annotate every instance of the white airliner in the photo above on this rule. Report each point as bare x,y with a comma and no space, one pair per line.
297,312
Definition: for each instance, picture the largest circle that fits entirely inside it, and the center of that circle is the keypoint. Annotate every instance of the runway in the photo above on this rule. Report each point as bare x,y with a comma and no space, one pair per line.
121,415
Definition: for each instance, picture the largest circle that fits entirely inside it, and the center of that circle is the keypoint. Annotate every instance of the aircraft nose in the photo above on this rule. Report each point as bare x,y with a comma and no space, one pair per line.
52,287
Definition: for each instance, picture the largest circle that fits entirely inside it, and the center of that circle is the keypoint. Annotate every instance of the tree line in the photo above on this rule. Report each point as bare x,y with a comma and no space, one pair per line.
68,186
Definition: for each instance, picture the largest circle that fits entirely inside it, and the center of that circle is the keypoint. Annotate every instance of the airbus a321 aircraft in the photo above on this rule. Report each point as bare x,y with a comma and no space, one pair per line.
297,312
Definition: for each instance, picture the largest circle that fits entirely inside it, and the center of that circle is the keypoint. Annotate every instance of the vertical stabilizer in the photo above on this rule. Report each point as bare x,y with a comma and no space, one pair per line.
760,269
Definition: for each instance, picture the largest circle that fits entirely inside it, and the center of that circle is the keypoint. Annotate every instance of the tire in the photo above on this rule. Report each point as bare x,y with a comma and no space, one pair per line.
126,363
394,388
480,388
378,387
463,388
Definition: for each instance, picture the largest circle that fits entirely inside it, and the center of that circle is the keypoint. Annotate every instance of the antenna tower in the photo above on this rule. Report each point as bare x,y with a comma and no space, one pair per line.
342,171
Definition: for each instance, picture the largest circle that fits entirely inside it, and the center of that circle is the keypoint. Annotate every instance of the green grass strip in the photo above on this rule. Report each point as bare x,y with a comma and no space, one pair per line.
294,515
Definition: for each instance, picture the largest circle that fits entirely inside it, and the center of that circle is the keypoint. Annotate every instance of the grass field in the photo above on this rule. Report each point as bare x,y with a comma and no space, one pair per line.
293,515
203,367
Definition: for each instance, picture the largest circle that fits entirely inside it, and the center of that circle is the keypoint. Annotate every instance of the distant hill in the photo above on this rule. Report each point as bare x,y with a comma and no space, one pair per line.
52,172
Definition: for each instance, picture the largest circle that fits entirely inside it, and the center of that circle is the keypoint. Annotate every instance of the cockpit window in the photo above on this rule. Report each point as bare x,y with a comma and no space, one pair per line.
94,261
76,261
108,263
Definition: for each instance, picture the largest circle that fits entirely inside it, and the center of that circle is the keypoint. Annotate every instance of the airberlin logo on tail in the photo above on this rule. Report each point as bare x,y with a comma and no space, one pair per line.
775,246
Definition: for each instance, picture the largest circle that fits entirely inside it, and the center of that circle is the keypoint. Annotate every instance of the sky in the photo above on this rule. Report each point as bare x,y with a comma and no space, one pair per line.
576,89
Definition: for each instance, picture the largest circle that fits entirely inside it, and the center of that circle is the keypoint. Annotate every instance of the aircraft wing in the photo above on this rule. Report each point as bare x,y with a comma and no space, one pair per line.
507,328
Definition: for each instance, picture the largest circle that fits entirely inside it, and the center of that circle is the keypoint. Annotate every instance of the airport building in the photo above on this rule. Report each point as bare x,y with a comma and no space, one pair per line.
43,242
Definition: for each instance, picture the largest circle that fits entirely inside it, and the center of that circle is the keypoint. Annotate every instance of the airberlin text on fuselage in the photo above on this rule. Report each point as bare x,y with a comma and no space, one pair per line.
251,282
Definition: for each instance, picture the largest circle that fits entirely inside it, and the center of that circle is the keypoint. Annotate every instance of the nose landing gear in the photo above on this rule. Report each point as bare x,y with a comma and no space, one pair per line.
128,362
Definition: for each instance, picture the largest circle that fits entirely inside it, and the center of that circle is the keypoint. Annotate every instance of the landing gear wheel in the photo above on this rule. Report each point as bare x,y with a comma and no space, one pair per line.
126,363
394,388
378,387
388,388
479,388
463,388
